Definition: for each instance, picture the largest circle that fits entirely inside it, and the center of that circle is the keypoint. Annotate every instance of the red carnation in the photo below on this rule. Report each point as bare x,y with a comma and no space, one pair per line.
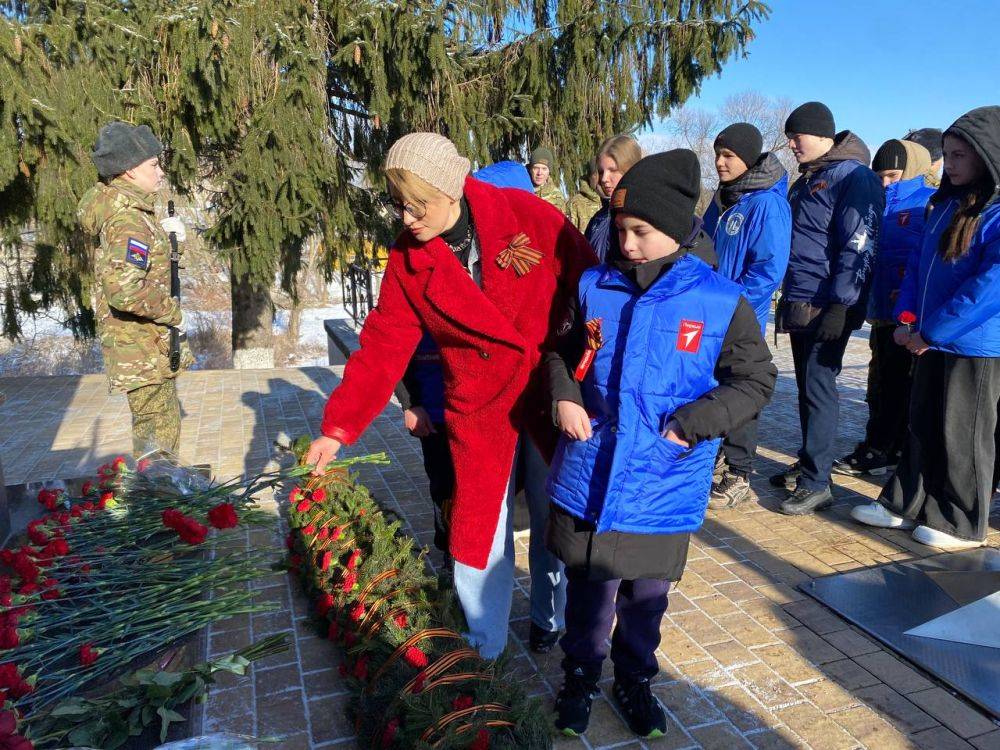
172,518
325,560
323,533
223,516
352,561
319,495
88,654
106,497
118,464
349,582
415,657
294,495
9,638
482,741
192,532
7,557
88,487
401,620
418,682
333,631
76,511
85,569
6,599
62,518
37,536
303,506
309,529
143,464
103,469
89,506
336,533
324,603
462,702
28,589
907,318
357,612
361,668
390,732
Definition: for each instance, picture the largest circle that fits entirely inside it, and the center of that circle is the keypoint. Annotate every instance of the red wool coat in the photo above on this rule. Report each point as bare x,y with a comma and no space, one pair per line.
491,342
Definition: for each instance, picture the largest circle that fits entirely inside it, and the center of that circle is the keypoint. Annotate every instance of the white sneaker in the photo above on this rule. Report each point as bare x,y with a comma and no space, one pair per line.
934,538
876,514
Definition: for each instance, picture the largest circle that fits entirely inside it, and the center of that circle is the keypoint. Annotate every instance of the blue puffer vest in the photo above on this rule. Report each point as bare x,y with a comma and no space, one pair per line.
660,351
902,230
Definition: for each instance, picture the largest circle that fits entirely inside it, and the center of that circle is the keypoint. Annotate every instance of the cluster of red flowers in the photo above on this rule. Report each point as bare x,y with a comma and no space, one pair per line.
9,738
223,516
12,685
187,528
88,654
302,500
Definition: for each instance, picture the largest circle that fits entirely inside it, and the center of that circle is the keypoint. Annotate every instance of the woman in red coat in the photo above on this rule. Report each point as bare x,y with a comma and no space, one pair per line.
486,271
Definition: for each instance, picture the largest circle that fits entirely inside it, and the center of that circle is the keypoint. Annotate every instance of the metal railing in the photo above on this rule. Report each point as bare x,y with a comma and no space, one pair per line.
359,286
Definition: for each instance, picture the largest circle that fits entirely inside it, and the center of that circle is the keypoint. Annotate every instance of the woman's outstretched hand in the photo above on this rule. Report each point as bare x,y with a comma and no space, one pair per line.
323,450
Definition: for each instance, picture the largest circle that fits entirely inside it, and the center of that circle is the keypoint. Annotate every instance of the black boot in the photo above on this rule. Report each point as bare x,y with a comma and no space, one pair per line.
642,712
541,641
574,701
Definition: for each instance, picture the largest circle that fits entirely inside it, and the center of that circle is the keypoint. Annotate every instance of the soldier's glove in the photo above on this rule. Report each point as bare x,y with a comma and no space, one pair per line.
831,325
175,225
182,326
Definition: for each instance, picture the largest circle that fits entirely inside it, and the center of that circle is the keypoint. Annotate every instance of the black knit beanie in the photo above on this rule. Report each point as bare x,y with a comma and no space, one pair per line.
929,138
121,146
811,118
891,155
744,140
661,189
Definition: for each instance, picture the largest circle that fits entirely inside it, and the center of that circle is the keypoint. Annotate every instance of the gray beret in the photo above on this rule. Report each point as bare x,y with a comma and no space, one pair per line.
121,146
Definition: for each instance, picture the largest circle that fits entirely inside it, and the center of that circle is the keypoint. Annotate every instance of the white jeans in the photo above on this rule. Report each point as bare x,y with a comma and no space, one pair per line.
486,594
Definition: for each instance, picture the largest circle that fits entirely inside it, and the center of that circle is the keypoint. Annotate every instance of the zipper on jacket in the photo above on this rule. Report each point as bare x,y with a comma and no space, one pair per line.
927,281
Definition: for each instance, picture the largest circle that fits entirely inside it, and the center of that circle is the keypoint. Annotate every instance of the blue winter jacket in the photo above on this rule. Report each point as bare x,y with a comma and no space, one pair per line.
898,239
660,351
598,232
752,239
425,367
836,210
957,304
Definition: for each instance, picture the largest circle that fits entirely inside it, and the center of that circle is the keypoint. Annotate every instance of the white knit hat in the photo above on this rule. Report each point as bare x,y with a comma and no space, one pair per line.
432,158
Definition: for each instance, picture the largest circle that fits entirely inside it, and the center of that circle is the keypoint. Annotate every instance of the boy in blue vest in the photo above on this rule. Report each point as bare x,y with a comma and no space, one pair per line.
660,357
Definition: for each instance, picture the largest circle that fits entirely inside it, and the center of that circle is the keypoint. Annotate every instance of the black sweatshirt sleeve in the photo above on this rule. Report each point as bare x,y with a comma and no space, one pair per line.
560,363
407,390
746,377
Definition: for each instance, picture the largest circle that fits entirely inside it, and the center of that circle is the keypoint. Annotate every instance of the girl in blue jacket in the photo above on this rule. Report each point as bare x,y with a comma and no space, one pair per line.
659,357
949,306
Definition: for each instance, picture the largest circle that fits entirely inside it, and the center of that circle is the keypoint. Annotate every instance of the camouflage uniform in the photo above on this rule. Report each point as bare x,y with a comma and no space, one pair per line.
583,206
549,193
134,309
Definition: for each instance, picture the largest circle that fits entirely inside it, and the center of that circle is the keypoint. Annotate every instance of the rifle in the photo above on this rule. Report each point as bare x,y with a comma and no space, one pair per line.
175,292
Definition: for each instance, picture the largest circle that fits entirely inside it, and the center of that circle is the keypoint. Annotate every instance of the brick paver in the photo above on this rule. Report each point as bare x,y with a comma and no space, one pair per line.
747,660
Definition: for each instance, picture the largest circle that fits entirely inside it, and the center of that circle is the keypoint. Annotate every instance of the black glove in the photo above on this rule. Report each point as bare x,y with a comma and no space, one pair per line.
831,325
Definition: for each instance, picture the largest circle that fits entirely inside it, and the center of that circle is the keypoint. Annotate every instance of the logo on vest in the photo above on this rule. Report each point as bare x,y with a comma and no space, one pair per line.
734,224
903,218
689,336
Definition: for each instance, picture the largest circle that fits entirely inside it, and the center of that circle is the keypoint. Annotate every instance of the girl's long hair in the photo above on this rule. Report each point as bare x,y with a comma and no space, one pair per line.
957,237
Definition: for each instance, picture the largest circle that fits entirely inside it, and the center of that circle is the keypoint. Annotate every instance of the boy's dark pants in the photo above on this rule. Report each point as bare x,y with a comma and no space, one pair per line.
945,476
888,393
591,607
740,446
817,365
441,476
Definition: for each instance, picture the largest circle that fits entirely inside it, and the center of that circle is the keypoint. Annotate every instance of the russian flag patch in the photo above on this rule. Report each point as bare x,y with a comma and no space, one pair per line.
137,253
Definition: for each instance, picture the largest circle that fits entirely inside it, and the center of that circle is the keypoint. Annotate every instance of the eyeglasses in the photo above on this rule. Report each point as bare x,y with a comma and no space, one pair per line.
397,209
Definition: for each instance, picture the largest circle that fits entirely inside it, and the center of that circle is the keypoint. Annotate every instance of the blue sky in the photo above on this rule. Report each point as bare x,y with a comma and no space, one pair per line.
882,66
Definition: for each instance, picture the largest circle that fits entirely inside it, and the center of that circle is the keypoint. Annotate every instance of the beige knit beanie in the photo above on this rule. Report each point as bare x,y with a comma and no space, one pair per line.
433,158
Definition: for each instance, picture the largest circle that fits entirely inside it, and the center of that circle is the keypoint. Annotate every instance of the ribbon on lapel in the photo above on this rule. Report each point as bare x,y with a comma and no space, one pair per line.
519,254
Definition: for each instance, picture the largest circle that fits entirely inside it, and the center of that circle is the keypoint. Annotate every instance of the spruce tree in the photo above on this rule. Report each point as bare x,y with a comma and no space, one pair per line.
281,111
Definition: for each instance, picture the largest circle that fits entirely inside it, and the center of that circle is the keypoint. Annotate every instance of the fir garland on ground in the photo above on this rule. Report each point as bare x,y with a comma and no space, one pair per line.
418,684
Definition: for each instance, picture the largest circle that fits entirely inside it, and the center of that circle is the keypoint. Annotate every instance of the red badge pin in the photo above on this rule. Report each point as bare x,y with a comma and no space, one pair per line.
689,336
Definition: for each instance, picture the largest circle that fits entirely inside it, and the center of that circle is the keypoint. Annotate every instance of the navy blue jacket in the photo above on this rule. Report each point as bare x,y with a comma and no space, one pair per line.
752,238
836,209
598,232
898,239
660,352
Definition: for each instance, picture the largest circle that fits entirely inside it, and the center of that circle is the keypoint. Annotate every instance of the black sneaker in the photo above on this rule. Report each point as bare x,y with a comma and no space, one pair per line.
804,501
731,490
541,641
573,703
642,713
864,460
788,477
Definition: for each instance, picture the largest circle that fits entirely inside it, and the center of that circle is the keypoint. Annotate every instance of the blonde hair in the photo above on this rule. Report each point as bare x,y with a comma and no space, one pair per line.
624,149
407,187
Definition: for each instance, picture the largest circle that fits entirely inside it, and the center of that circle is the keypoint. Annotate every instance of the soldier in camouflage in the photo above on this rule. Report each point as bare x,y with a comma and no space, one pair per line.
586,202
134,309
539,168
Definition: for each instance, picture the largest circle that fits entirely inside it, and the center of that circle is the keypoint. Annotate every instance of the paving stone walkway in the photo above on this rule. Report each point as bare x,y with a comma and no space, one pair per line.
747,660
